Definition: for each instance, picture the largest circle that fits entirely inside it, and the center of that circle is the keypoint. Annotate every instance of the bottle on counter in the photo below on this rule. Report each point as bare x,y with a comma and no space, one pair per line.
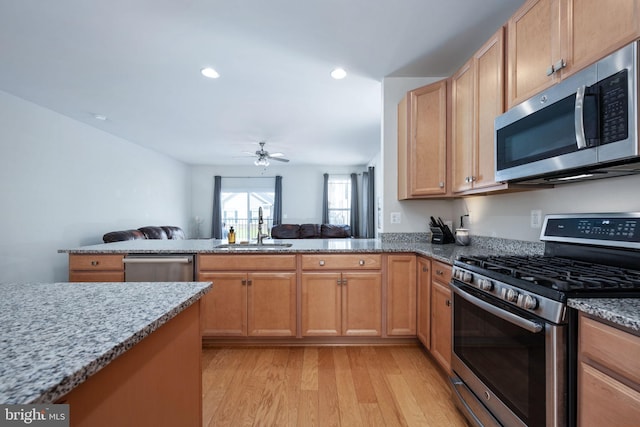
232,235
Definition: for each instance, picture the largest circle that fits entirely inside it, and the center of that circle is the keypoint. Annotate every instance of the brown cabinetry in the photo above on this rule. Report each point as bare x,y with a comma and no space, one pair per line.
252,295
551,39
401,294
477,98
441,313
341,295
608,375
96,268
422,142
424,301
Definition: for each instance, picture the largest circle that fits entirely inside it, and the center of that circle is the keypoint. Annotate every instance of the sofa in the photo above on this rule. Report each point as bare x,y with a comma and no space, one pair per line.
148,232
310,231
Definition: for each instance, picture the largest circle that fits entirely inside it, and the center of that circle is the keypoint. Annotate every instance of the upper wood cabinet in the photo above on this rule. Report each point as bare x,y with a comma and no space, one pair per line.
422,142
477,97
549,40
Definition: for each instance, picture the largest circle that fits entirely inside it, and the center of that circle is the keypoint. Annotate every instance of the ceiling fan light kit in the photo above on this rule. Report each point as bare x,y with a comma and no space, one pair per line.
263,156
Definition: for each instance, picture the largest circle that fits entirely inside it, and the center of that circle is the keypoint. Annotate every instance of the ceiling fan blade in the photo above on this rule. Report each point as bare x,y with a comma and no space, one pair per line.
279,159
276,154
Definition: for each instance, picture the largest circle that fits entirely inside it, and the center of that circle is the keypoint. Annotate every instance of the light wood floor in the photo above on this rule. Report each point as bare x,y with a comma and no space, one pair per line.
325,386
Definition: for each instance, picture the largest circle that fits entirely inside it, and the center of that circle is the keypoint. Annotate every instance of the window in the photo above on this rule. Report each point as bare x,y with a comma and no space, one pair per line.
240,206
339,195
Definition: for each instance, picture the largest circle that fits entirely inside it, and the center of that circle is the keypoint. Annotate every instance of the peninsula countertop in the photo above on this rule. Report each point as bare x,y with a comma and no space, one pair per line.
446,253
56,335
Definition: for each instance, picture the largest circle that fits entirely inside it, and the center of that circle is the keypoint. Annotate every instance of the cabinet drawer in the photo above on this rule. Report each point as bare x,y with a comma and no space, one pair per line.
96,276
247,262
440,272
611,348
96,262
342,262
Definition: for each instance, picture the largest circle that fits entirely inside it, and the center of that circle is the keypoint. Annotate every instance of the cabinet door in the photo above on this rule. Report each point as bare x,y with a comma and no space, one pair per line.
271,299
401,295
424,301
489,91
321,298
224,308
534,45
441,324
422,145
462,127
598,27
361,304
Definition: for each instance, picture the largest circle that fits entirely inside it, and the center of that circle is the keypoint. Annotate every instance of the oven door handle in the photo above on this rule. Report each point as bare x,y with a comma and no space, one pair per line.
529,325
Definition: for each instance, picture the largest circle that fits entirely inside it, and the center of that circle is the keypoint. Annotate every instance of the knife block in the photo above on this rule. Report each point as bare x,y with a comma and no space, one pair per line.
437,236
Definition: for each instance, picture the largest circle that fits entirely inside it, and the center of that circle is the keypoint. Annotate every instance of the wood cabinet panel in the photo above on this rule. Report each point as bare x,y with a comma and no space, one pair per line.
422,142
271,302
96,276
361,304
96,262
440,272
224,308
423,282
441,322
401,295
242,262
462,127
342,262
608,375
321,304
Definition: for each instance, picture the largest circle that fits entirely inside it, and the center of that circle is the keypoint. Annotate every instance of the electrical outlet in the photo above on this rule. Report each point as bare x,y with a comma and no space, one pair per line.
395,218
536,218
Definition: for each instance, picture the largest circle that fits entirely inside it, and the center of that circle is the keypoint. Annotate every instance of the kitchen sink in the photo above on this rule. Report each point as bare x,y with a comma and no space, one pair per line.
253,246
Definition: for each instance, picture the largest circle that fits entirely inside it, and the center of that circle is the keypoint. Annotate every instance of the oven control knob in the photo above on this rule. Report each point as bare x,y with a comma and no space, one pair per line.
485,284
510,295
467,277
529,302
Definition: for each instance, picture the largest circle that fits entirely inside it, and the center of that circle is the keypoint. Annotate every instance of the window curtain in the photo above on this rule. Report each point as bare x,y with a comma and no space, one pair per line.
325,199
368,195
216,223
277,202
355,212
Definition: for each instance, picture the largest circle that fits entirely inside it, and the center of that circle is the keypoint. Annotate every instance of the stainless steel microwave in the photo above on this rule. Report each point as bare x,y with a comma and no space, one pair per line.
585,127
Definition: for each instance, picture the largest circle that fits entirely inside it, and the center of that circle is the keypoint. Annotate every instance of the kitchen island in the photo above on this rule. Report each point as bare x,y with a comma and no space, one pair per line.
106,349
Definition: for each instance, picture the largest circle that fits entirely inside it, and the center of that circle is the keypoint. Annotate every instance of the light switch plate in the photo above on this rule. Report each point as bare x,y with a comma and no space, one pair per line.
395,218
536,218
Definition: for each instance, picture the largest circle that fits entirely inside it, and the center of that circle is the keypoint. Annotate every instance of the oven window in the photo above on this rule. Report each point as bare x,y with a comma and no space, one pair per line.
508,359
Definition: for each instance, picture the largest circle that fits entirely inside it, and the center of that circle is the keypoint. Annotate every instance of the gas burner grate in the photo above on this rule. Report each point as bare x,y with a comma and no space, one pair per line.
560,274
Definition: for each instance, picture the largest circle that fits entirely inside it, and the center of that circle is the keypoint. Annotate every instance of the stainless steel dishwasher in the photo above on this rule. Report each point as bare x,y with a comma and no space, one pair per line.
158,268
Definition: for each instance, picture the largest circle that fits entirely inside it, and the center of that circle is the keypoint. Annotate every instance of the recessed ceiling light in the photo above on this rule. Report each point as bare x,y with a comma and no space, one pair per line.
100,117
210,72
339,73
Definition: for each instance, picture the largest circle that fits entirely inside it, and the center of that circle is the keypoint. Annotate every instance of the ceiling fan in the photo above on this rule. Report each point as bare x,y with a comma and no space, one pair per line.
264,156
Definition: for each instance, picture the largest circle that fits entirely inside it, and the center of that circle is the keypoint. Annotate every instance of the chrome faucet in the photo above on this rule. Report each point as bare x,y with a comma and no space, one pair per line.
260,222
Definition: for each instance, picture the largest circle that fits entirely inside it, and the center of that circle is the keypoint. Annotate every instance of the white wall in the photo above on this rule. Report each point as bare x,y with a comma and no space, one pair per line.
301,190
509,215
414,214
65,184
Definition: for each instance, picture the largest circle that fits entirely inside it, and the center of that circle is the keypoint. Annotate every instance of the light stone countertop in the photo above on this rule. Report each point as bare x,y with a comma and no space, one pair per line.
620,311
56,335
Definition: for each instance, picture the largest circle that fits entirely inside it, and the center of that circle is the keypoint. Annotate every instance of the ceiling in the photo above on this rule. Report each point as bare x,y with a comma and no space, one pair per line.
138,62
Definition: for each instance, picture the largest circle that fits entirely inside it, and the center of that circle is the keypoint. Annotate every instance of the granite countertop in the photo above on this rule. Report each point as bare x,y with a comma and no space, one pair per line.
621,311
445,253
56,335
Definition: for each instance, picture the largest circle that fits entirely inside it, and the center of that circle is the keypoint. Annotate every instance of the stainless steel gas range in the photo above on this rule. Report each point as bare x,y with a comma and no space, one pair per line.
514,338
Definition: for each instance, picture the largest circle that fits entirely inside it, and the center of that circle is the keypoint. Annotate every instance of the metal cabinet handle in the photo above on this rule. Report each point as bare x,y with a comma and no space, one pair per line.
244,282
441,184
249,282
448,303
95,263
321,263
425,269
439,272
361,262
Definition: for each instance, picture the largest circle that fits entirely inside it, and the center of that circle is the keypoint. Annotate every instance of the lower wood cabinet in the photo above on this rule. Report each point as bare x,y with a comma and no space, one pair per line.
401,295
249,303
423,281
441,320
608,375
341,295
96,268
